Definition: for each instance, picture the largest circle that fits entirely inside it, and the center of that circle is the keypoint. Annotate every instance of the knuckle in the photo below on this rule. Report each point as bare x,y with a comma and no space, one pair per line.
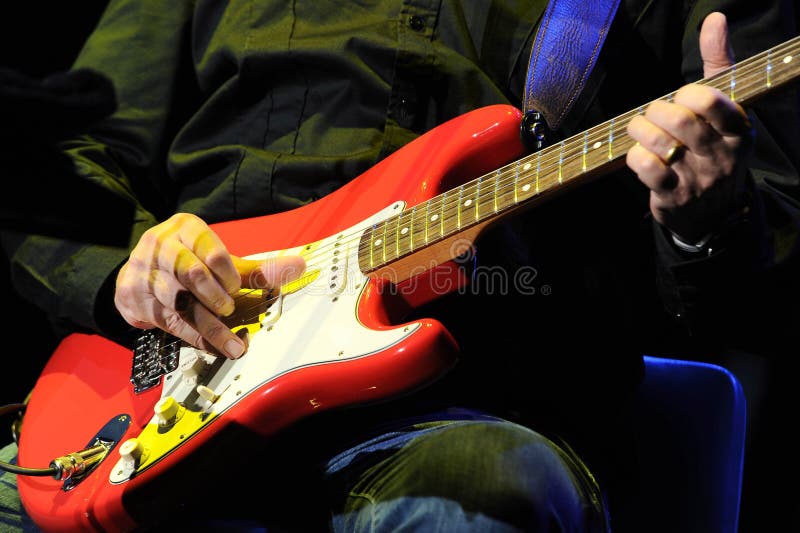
195,273
656,109
636,125
219,262
650,165
173,322
182,218
651,137
680,121
217,257
219,303
150,237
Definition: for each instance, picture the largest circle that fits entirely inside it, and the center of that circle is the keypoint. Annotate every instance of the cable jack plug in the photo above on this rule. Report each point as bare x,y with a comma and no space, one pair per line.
80,463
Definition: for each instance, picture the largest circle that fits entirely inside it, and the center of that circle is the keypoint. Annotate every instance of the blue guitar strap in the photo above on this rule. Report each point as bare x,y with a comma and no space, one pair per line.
563,54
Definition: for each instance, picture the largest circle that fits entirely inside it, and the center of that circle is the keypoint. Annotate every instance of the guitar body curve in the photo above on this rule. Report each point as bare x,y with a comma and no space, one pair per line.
334,343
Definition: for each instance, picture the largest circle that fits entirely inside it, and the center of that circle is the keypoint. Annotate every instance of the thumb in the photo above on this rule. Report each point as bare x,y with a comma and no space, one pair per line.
269,273
715,48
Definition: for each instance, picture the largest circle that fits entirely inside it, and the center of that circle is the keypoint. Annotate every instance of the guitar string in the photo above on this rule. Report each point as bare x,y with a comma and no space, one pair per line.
750,74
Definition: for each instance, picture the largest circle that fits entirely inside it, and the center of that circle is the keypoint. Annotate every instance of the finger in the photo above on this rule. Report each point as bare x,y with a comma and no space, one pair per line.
683,125
186,247
674,154
725,116
651,170
165,303
194,323
170,294
176,326
270,273
195,276
175,310
715,48
655,139
149,298
663,207
133,297
211,251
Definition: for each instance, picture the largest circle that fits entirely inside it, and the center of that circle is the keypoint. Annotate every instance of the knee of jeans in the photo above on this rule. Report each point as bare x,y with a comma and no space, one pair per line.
495,469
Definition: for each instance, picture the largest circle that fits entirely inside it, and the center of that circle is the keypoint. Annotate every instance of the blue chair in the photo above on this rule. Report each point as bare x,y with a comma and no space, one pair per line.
691,420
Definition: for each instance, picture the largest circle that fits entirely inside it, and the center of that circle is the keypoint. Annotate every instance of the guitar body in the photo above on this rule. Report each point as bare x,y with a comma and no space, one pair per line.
335,341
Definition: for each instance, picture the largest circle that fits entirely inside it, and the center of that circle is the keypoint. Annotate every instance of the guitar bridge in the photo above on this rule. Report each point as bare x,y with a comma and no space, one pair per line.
155,354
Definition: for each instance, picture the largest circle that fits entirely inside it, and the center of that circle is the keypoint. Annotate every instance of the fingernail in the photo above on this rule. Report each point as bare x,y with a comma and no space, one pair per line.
227,308
234,349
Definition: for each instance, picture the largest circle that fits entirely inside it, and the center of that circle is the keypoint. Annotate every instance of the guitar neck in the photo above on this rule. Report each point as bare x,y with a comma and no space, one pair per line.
462,212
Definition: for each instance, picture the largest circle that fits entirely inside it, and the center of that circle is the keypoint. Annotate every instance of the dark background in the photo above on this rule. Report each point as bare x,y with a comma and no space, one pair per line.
36,40
39,39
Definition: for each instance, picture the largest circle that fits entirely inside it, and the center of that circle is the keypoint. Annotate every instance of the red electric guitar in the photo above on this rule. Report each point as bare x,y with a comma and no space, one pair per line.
122,425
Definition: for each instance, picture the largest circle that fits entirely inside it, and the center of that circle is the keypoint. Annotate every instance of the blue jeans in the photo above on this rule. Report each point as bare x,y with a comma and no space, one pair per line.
459,470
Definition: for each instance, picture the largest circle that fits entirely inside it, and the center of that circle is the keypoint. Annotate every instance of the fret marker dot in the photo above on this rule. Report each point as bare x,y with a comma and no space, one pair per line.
526,187
787,59
434,218
378,242
403,231
527,166
597,145
468,203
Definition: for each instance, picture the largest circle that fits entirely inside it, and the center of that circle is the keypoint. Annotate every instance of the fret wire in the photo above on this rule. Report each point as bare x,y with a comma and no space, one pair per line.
427,216
583,162
478,198
387,244
769,69
371,247
538,169
384,241
458,211
486,196
441,216
413,222
435,222
391,246
496,185
397,235
404,231
516,183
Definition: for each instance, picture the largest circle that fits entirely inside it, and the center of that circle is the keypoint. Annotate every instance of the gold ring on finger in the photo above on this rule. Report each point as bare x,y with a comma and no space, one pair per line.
674,154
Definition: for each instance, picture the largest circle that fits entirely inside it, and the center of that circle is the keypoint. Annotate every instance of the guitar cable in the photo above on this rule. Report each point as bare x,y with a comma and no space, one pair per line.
16,469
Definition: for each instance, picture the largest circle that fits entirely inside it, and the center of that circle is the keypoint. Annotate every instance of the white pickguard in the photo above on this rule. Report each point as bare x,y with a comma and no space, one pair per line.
315,325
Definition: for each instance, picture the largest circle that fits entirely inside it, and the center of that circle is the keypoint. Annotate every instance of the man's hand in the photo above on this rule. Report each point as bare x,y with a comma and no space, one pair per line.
181,278
692,152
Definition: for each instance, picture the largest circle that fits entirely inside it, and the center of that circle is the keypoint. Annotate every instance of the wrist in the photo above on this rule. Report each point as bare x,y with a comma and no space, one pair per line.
715,240
692,247
720,235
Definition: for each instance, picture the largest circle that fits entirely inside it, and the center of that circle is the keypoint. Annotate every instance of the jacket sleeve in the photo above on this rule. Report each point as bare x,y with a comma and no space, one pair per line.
138,45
